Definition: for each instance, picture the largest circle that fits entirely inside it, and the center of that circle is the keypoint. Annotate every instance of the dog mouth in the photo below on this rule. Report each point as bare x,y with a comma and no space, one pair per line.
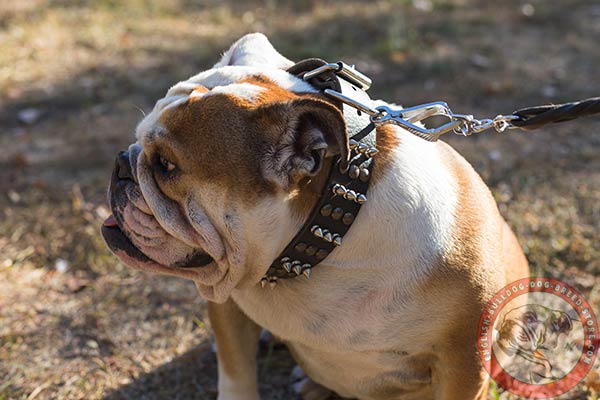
116,240
138,238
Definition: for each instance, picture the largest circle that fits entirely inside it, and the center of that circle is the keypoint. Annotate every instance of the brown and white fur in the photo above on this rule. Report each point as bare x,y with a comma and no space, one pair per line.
392,313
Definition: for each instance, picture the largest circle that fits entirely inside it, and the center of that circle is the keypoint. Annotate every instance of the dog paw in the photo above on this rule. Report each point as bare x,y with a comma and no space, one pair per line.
306,388
238,394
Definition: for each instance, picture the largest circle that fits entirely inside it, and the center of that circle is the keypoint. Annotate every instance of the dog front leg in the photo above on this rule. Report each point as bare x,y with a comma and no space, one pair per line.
237,344
460,375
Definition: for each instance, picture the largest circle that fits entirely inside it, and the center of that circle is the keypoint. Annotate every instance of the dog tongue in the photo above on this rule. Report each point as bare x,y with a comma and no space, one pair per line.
110,222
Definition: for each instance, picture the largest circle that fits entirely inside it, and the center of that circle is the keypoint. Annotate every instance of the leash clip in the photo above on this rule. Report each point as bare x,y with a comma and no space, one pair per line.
470,125
460,124
407,118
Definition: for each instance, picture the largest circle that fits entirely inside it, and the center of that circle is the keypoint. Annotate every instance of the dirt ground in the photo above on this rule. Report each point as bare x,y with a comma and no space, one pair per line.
75,77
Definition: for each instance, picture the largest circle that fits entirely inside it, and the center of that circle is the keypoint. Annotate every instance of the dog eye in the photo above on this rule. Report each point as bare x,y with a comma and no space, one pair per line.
166,164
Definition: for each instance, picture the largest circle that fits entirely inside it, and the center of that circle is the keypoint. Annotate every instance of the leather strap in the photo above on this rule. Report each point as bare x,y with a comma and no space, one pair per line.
342,195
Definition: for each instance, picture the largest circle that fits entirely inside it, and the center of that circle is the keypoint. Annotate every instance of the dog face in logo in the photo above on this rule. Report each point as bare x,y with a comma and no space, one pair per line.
528,332
210,189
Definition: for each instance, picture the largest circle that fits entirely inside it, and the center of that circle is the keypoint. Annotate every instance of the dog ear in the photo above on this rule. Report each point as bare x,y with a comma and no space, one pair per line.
251,50
303,132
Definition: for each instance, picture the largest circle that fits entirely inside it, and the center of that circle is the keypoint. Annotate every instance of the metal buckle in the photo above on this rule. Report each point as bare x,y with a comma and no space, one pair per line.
345,71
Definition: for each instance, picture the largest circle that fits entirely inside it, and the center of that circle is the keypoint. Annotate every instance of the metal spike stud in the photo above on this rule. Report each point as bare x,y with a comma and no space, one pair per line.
287,266
371,151
337,213
364,175
348,218
327,236
318,232
306,272
338,189
354,171
326,210
350,195
352,143
263,282
361,148
297,269
285,259
337,240
361,199
273,283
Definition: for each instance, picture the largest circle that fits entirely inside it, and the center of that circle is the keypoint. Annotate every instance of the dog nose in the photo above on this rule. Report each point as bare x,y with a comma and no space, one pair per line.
123,166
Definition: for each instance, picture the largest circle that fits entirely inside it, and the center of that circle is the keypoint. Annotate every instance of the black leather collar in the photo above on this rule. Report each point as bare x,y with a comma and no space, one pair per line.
342,196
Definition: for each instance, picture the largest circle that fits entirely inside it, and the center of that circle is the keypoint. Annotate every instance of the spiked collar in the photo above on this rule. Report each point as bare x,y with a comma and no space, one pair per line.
347,184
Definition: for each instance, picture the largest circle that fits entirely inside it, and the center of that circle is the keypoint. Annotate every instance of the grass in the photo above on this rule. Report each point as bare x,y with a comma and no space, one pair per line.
75,323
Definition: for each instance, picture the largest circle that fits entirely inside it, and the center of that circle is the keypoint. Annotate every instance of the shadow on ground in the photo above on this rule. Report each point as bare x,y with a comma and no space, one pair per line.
193,376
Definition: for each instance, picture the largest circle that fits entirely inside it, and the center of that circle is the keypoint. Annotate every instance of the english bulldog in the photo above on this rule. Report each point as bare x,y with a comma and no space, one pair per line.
224,172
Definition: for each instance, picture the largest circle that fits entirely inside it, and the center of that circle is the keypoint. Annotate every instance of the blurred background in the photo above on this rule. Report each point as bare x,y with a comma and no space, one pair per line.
75,77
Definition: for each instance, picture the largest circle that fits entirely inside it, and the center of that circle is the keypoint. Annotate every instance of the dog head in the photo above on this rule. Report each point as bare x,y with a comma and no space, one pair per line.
213,188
